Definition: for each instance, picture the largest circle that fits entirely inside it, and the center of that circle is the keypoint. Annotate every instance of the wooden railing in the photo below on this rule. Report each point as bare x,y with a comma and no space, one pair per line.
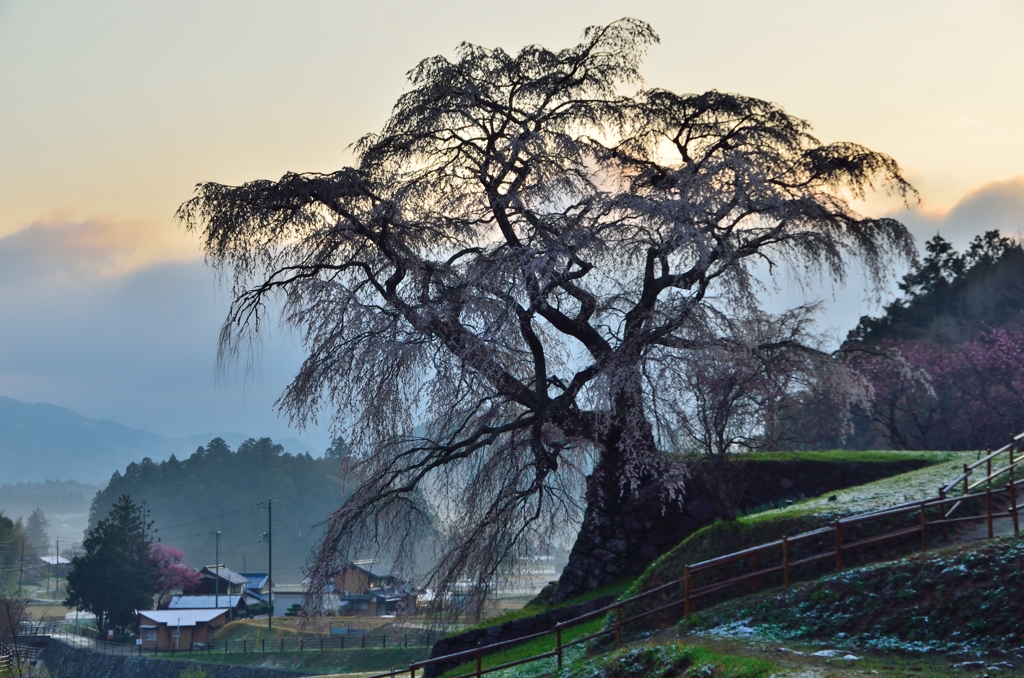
777,561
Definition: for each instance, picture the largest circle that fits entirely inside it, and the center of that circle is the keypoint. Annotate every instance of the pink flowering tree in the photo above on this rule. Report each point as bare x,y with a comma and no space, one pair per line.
980,386
958,396
172,572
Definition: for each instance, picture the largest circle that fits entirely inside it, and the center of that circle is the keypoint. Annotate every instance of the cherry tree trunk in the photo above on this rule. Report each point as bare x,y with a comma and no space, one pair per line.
627,526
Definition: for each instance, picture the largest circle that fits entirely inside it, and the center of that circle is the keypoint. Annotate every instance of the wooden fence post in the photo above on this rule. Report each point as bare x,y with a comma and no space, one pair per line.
686,591
924,529
753,572
479,660
558,643
618,625
967,476
942,512
988,510
785,561
839,545
1013,505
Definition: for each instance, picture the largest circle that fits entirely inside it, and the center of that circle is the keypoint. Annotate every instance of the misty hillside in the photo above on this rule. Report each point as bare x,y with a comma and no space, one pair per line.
40,442
64,503
217,488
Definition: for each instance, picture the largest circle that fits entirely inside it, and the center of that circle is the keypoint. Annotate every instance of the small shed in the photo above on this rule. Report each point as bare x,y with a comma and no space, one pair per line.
179,629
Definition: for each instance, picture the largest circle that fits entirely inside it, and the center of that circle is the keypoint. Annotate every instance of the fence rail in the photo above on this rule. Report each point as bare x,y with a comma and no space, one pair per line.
12,655
361,641
833,536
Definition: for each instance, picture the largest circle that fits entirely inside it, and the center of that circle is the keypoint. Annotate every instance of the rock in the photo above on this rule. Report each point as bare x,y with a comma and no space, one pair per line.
701,509
969,665
618,546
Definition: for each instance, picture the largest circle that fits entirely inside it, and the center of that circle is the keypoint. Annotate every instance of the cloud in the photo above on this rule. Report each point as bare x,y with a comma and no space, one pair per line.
58,246
91,325
998,205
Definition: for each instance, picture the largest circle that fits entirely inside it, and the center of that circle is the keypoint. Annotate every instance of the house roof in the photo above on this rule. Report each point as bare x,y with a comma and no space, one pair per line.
204,602
179,617
54,560
372,568
257,580
229,575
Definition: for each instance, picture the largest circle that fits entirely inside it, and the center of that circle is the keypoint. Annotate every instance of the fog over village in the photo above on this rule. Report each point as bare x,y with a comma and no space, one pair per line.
442,339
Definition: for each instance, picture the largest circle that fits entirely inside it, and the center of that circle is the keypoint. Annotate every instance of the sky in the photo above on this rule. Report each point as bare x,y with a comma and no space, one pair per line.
112,110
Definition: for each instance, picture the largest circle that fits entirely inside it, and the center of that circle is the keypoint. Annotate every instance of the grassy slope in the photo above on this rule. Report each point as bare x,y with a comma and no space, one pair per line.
534,608
966,597
723,537
727,537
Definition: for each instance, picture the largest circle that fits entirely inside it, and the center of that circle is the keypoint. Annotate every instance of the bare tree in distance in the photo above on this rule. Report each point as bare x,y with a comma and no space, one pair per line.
481,297
751,372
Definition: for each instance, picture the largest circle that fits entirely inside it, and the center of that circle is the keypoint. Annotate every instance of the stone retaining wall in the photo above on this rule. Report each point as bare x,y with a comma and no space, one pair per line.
69,662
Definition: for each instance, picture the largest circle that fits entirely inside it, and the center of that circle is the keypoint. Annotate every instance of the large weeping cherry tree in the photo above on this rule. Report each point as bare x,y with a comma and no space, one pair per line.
499,300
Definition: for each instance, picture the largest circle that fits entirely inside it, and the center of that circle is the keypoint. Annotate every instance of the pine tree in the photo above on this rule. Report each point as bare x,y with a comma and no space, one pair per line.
115,575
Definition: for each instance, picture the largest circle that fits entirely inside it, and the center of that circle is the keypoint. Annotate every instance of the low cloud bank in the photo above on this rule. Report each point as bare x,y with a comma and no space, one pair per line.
89,327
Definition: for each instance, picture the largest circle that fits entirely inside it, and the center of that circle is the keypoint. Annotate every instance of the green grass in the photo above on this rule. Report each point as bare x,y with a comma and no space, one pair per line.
866,456
313,661
246,630
534,609
530,648
670,660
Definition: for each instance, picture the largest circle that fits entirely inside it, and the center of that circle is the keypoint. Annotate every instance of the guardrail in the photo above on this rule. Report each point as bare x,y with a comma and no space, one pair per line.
10,655
777,563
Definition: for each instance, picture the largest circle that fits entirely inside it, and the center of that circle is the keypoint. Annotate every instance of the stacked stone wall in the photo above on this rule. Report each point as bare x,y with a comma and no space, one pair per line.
64,661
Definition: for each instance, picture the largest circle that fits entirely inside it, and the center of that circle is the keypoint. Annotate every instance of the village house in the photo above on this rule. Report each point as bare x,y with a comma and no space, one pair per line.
365,588
235,605
179,629
219,579
257,591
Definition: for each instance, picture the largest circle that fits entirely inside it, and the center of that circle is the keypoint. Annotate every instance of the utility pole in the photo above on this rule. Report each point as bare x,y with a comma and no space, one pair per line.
21,567
56,571
216,580
269,534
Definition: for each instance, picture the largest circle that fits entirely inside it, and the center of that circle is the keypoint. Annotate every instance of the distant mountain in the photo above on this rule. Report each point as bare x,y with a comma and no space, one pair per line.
40,442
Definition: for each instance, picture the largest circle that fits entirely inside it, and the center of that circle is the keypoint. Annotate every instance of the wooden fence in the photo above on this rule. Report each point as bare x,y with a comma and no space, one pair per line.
297,644
782,560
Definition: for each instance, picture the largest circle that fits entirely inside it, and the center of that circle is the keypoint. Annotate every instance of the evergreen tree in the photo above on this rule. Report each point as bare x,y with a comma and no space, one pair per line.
12,534
951,297
115,575
37,533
